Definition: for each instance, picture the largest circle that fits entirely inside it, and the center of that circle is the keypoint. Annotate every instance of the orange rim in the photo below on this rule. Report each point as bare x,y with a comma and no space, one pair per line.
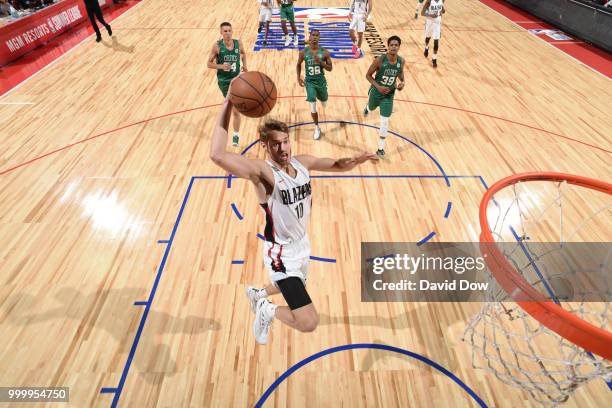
551,315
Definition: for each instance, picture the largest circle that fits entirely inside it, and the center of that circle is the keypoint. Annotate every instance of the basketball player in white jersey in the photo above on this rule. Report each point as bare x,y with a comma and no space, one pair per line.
282,185
265,16
358,14
433,10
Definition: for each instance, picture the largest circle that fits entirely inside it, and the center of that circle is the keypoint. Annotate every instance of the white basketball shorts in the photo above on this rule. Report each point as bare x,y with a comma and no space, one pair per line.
432,27
265,14
283,261
358,23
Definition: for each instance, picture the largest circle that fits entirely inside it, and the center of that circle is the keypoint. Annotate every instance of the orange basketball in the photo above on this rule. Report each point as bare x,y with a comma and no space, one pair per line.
253,94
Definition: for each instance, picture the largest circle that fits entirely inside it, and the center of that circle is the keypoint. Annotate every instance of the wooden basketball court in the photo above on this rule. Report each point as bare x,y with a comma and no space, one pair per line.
125,251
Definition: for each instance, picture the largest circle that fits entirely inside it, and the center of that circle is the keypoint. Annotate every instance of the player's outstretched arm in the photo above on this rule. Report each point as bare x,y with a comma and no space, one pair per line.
298,68
232,162
212,59
401,81
425,8
327,61
344,164
243,56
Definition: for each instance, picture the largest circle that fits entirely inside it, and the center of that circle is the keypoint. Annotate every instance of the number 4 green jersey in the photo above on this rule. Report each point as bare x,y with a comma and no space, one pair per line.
314,71
231,57
387,73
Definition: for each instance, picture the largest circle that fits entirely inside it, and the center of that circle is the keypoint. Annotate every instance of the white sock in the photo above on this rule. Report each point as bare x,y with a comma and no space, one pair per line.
368,107
313,107
236,133
381,143
384,126
434,56
427,47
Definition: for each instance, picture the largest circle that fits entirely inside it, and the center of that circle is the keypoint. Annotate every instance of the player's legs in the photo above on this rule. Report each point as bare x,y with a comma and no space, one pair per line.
267,31
224,87
386,109
294,29
284,18
436,37
428,34
374,98
321,95
311,98
300,312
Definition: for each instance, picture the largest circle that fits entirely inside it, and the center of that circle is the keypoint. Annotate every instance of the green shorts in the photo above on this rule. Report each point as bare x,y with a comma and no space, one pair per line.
224,87
376,99
316,90
286,13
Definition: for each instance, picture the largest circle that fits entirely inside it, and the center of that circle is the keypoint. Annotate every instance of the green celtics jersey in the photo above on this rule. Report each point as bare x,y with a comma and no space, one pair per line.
387,73
286,3
314,71
231,57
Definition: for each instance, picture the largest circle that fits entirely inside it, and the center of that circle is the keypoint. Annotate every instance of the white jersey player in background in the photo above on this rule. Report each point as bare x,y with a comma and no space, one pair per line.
282,185
433,10
358,14
265,16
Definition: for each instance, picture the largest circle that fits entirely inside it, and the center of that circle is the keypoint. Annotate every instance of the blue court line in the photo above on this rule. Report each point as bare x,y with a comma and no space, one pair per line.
427,238
119,389
210,177
318,258
163,241
385,347
240,217
143,319
483,182
448,209
237,262
141,303
261,237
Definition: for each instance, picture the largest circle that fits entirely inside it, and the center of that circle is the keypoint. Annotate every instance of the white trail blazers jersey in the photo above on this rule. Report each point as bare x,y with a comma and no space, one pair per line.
288,207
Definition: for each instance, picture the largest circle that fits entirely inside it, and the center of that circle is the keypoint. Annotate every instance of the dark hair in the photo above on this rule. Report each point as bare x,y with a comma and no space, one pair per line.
225,23
315,29
396,38
269,126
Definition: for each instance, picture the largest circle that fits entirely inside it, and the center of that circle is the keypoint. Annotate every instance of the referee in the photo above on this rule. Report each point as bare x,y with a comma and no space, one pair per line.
93,11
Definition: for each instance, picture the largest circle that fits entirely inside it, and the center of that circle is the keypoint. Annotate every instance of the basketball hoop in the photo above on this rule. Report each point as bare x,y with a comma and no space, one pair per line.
544,346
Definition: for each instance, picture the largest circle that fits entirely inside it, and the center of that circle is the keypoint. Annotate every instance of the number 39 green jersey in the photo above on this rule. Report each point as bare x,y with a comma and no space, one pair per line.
387,73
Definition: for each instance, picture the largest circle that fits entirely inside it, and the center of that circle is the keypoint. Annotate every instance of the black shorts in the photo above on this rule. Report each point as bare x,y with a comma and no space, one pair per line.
294,292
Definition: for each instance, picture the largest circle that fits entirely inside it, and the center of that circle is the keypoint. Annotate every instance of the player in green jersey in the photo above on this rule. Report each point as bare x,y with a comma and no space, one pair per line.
288,14
389,69
316,61
225,57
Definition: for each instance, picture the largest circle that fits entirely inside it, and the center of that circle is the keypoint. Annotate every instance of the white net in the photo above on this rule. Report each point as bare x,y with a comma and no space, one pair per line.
510,343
